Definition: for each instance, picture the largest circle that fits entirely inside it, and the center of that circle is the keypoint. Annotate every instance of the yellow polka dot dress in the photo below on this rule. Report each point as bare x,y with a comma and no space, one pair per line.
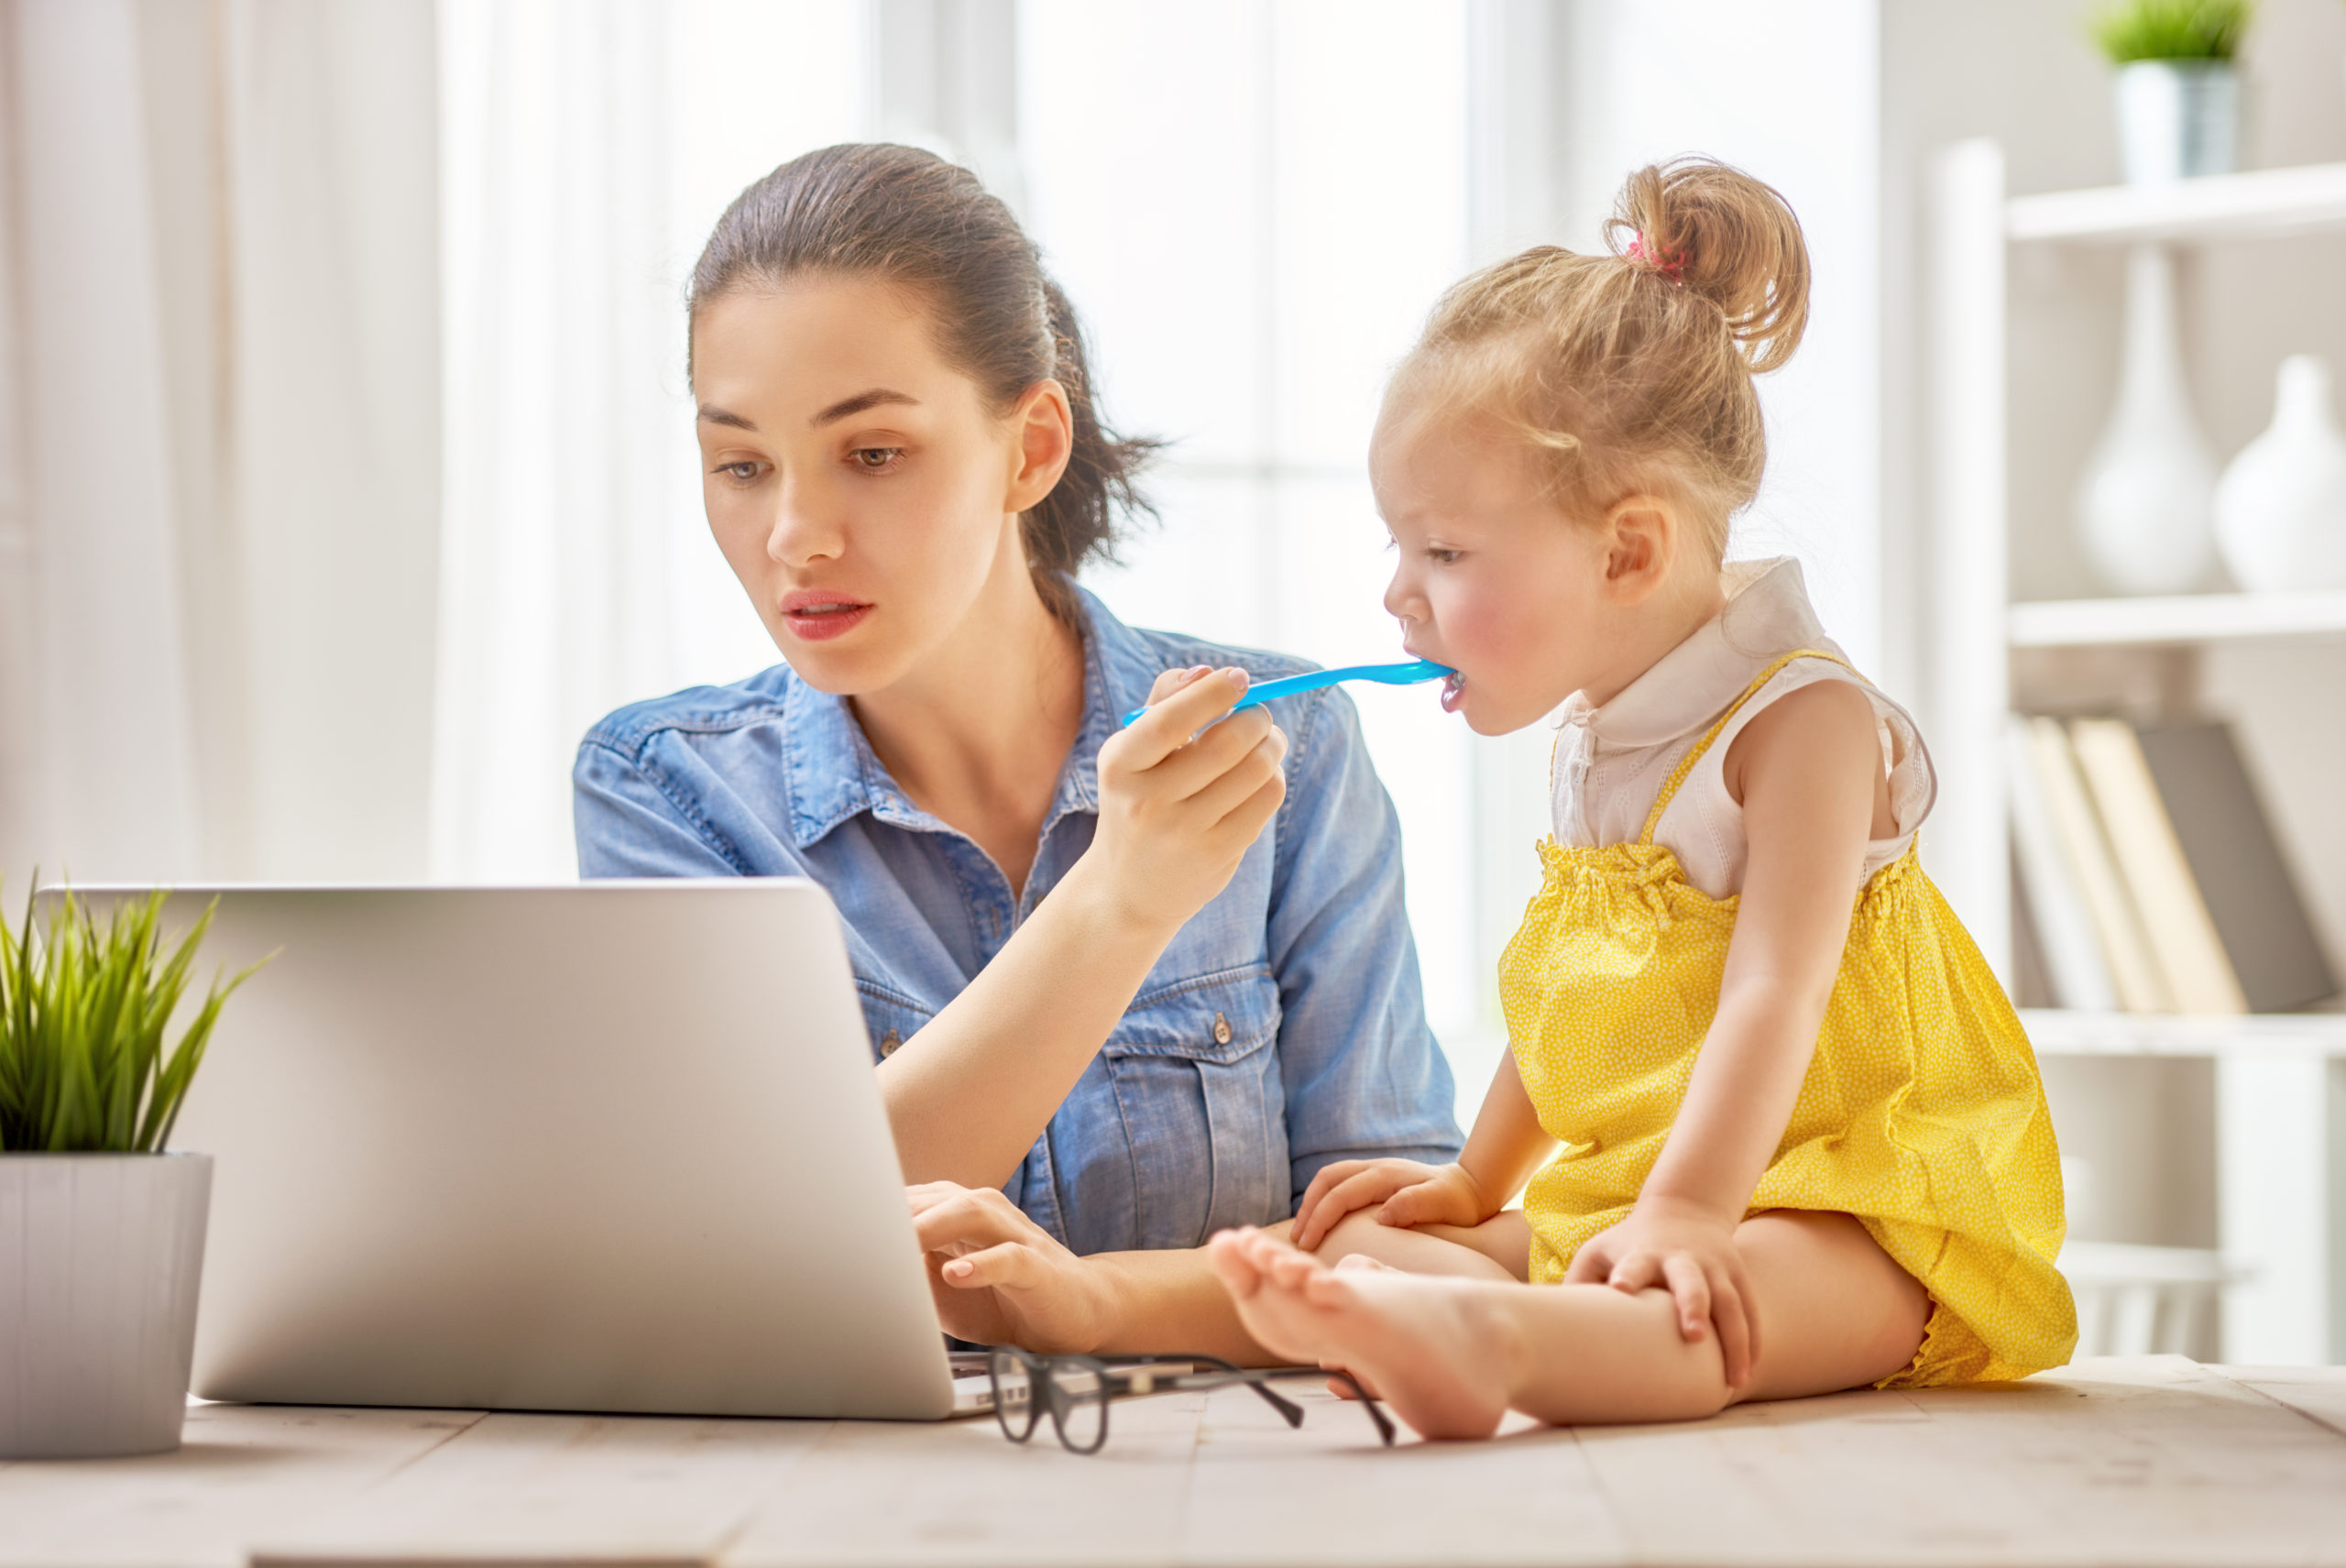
1922,1114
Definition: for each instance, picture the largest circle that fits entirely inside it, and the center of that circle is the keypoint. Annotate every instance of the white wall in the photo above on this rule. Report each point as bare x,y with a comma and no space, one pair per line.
1789,93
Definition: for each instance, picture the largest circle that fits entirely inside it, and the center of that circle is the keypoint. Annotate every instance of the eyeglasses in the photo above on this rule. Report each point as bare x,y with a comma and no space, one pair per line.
1078,1389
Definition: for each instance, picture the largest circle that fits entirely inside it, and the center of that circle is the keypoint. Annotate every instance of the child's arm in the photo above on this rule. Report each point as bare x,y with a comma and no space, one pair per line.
1505,1147
1810,776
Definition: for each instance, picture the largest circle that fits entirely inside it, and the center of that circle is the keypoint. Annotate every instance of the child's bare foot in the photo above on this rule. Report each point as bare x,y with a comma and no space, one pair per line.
1417,1340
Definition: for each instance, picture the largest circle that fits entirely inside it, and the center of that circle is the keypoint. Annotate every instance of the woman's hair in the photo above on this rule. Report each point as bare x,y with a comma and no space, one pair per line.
1632,371
909,218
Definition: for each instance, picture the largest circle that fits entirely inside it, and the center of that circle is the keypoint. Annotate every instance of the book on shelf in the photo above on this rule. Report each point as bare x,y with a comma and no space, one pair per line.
2150,874
2243,877
2081,858
2174,918
2067,949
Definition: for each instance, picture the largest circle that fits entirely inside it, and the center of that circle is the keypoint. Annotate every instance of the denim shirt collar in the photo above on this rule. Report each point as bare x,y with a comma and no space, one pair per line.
834,773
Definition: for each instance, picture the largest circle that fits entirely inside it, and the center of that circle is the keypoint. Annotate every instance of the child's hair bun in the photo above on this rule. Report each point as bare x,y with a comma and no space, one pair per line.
1714,230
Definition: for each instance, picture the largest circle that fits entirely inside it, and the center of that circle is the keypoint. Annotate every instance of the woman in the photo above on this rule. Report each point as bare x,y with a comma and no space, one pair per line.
1125,988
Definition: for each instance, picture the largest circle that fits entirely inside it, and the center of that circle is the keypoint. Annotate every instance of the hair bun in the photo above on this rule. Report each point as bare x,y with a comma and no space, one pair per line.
1726,236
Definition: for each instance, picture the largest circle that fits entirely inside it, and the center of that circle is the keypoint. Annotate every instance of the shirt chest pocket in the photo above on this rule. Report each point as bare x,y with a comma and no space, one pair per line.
1196,1076
889,1016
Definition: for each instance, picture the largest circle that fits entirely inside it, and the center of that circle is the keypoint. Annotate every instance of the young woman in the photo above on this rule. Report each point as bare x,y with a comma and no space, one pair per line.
1126,987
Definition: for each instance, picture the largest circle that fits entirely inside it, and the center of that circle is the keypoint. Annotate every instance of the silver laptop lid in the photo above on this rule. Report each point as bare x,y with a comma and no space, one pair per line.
615,1146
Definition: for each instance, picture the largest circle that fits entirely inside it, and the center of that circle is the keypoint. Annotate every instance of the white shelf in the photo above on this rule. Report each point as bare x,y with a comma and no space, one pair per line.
2058,1032
2182,618
2255,206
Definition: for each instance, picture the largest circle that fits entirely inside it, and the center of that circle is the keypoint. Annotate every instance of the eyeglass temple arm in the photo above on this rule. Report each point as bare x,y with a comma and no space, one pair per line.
1278,1401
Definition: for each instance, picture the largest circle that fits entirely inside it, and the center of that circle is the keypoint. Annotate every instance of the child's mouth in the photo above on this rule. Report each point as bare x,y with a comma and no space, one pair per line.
1454,691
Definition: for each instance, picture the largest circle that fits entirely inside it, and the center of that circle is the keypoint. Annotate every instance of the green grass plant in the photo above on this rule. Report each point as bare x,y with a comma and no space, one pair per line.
2129,31
84,1005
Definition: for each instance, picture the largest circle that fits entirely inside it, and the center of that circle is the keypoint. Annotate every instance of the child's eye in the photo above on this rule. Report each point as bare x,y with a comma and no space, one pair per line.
875,459
1441,557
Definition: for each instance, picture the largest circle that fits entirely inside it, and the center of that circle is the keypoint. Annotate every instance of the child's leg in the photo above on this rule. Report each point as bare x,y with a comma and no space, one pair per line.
1498,1248
1452,1355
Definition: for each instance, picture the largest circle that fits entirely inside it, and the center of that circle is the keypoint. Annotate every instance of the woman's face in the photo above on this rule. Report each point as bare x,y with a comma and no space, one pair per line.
859,486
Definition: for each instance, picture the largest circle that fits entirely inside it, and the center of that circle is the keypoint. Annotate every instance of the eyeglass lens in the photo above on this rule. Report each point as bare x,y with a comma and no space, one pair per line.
1079,1406
1015,1405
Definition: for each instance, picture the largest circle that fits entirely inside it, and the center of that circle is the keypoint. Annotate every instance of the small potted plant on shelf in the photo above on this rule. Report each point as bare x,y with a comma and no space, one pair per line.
100,1228
2177,90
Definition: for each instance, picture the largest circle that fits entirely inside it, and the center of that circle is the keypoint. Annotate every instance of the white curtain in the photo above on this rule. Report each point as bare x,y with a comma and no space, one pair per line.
218,437
587,148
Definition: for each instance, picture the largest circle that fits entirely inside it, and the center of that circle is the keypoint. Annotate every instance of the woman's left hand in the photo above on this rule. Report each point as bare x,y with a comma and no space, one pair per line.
1000,1279
1687,1249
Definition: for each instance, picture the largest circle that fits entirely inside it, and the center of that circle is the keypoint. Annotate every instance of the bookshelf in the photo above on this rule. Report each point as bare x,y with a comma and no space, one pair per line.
2278,1081
2263,204
2287,1036
2182,620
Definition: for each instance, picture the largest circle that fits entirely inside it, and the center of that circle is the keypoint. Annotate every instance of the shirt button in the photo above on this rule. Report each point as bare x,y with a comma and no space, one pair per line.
889,1042
1220,1030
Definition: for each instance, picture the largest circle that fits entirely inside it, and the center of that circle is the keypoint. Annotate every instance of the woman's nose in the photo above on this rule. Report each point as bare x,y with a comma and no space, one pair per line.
803,529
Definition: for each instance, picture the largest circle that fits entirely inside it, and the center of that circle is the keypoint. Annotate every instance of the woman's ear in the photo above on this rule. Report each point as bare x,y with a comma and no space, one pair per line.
1643,534
1045,428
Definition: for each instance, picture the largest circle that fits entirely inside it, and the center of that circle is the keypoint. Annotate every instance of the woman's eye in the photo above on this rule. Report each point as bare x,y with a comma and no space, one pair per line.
741,472
874,459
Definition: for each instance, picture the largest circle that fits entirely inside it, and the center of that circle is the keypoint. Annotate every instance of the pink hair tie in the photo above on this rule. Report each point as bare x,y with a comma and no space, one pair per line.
1670,269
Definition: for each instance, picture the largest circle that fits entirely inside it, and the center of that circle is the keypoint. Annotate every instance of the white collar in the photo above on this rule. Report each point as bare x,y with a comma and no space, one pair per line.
1766,614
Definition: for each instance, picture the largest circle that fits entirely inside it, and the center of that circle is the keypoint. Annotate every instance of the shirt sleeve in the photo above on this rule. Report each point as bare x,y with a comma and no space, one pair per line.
1362,1073
629,825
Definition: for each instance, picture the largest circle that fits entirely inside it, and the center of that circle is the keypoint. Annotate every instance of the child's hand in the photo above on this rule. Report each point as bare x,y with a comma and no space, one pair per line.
1408,1193
1689,1250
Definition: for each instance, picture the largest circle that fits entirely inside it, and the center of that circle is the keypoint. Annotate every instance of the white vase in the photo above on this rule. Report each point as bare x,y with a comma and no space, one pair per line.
2281,507
100,1258
2144,502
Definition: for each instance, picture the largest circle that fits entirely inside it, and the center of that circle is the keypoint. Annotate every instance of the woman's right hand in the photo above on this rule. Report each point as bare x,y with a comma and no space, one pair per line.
1000,1279
1405,1192
1181,802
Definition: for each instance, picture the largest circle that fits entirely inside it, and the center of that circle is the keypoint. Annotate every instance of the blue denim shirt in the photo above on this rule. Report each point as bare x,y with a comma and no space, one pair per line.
1282,1029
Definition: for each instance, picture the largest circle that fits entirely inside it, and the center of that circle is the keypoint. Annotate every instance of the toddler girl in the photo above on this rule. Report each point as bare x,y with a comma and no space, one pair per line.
1803,1143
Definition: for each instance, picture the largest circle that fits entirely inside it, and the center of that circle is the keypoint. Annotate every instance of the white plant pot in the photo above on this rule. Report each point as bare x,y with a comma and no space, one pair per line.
2281,507
2177,119
100,1256
2145,500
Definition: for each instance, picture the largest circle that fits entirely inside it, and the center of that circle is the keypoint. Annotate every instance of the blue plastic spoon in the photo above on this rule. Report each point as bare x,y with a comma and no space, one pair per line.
1407,674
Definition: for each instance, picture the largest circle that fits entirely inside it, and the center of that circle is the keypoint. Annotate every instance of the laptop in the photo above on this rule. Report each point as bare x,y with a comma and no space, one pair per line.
615,1146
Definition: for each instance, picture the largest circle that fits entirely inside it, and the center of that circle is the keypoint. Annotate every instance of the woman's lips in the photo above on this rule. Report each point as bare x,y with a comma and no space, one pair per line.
818,618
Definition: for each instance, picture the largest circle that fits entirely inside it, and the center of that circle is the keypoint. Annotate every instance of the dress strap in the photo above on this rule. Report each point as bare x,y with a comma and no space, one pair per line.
1687,763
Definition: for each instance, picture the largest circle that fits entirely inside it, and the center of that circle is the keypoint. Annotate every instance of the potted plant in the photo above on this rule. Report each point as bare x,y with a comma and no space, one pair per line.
2177,91
101,1229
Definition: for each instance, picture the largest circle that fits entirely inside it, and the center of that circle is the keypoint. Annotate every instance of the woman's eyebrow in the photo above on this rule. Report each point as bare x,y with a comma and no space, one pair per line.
847,407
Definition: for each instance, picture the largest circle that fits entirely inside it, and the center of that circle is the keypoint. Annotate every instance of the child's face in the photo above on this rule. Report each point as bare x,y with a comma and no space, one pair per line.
1493,579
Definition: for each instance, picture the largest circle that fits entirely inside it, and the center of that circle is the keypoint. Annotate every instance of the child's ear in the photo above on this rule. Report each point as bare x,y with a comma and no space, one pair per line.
1641,539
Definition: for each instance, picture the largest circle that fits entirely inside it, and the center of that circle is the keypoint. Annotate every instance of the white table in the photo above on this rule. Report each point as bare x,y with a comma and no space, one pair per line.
2155,1460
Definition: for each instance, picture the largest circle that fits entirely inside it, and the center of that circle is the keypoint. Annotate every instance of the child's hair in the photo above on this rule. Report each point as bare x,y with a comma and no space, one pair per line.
1632,371
909,218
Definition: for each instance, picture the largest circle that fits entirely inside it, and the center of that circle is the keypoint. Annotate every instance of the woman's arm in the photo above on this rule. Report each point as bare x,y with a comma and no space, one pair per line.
969,1094
1809,771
